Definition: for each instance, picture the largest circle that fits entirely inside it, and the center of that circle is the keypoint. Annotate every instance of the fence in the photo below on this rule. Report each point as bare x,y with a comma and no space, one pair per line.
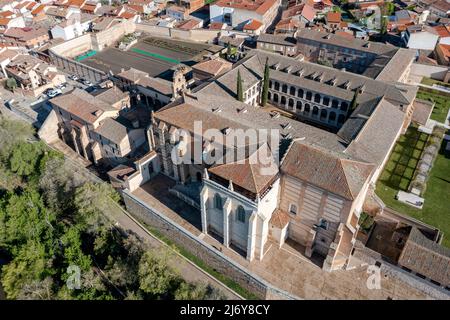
213,258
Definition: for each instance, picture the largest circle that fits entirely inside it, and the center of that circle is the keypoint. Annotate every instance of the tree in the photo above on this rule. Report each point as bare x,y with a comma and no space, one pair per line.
155,277
73,254
240,90
12,132
25,157
265,91
11,84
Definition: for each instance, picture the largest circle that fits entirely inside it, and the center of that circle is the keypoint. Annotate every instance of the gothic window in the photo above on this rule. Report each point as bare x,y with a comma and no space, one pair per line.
240,214
218,202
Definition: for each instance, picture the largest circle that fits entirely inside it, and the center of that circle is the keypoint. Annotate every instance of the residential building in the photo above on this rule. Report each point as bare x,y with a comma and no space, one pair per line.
27,37
442,52
32,75
420,38
283,44
237,13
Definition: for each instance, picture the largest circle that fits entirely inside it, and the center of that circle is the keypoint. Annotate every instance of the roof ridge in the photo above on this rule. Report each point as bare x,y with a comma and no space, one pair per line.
349,189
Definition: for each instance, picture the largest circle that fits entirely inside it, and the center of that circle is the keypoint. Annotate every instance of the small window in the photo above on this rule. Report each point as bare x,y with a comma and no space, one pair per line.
292,208
240,214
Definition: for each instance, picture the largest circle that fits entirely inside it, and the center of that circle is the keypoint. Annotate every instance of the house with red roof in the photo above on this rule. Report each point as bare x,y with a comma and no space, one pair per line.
239,13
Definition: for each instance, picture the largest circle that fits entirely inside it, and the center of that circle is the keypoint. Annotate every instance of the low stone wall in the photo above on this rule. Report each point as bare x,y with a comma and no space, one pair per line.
199,248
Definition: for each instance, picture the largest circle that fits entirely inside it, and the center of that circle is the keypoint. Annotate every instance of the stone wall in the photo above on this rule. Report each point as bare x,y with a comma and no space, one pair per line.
74,67
202,250
200,35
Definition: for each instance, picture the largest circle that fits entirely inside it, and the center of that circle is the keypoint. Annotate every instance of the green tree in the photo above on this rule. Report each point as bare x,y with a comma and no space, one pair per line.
73,253
239,89
11,133
155,277
265,90
11,84
25,157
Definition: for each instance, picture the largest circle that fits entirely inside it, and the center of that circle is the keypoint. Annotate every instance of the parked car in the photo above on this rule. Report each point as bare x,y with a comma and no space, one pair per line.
87,83
62,86
73,77
54,93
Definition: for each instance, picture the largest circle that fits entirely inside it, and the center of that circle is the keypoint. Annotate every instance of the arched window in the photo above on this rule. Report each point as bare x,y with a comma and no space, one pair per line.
275,98
283,100
332,117
292,91
315,111
308,95
299,105
277,86
270,84
334,103
269,96
323,114
291,103
317,98
284,88
218,202
341,118
344,106
326,101
300,93
307,108
240,214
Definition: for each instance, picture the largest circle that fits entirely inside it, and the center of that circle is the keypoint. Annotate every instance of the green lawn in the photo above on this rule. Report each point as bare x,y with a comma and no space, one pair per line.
398,173
430,82
442,106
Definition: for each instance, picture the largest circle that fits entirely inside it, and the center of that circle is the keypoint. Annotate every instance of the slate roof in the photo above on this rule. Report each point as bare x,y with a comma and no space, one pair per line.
112,130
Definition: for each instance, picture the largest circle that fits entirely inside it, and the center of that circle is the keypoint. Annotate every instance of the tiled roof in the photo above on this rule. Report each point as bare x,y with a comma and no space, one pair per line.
333,17
426,257
259,6
249,174
112,130
82,104
253,25
213,66
332,172
111,95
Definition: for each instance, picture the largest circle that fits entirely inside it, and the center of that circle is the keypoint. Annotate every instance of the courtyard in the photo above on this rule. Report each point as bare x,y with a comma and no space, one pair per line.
442,103
399,171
